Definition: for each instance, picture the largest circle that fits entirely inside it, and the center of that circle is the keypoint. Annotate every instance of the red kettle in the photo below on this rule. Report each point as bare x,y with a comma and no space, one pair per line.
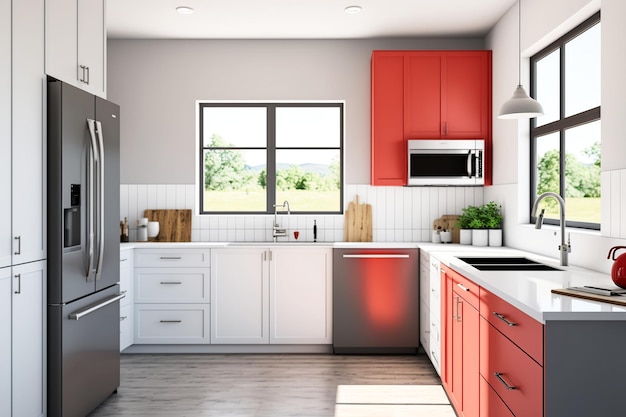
618,271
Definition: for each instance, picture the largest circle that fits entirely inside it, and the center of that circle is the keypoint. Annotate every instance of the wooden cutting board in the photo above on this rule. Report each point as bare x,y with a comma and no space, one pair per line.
358,222
174,225
615,299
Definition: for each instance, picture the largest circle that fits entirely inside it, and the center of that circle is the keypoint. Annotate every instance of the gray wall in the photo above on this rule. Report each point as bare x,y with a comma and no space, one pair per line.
157,82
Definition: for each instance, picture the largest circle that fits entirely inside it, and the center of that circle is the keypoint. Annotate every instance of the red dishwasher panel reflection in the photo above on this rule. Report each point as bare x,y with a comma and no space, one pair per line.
375,300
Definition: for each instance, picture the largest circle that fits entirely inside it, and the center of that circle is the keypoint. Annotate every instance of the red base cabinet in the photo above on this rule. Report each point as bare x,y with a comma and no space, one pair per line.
427,95
492,353
460,373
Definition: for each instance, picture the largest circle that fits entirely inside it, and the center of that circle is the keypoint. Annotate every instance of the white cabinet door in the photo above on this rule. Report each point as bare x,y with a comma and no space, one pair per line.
300,296
239,296
92,45
61,30
126,304
29,339
5,342
5,134
29,162
76,43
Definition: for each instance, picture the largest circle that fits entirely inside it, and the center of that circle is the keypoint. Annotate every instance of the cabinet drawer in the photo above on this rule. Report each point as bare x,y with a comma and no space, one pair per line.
502,363
463,286
425,286
490,404
172,323
169,258
522,329
170,285
126,326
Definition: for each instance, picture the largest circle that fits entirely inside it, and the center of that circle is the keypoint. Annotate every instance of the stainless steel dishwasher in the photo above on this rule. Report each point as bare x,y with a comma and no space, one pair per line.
375,301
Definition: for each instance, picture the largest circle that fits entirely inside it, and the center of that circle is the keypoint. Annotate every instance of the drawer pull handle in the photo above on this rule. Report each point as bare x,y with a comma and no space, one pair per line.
123,260
501,317
463,287
123,318
171,257
508,387
171,321
171,283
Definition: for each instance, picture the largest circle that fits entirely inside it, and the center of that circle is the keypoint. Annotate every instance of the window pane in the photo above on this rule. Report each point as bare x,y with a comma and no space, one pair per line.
582,72
244,127
582,173
547,87
308,179
301,127
548,172
234,180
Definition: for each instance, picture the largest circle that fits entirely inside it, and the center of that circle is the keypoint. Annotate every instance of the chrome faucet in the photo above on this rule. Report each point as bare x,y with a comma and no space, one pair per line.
564,247
276,230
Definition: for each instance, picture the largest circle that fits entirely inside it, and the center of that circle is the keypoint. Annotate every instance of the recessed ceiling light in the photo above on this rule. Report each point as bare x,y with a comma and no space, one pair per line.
184,10
353,9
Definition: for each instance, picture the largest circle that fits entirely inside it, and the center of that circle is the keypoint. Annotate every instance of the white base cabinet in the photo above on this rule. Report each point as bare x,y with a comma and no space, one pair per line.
5,341
430,308
171,296
126,304
301,296
271,295
28,339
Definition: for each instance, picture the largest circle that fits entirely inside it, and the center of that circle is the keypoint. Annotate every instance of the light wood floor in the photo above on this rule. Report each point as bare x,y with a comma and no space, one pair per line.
238,385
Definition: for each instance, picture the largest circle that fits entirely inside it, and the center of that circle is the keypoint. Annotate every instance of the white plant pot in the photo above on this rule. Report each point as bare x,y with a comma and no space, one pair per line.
495,237
480,237
446,237
465,237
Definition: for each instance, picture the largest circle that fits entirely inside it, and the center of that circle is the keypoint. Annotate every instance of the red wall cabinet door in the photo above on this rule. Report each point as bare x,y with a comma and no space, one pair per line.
466,95
388,145
422,95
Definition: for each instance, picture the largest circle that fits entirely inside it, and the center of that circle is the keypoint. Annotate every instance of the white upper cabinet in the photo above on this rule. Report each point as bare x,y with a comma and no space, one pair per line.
5,133
28,132
76,43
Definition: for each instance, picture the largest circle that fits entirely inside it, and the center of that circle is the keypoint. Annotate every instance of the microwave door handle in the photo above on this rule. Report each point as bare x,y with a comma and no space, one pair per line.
469,164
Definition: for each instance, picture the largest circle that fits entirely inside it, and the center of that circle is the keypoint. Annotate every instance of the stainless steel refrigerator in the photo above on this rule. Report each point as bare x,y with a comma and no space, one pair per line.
83,250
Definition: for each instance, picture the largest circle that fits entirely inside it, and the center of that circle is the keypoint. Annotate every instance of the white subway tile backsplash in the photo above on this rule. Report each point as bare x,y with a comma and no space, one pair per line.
615,203
400,214
605,207
623,204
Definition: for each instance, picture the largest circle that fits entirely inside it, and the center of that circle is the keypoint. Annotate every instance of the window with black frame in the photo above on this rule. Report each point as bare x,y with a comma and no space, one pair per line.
566,140
254,155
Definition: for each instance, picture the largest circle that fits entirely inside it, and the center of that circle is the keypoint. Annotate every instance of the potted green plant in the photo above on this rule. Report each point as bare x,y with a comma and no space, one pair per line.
466,222
492,214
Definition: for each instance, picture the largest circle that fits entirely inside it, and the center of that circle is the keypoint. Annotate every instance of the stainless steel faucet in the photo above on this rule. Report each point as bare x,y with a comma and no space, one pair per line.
276,230
564,247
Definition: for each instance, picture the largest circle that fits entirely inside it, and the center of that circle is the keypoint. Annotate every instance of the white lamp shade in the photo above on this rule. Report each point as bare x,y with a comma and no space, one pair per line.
520,106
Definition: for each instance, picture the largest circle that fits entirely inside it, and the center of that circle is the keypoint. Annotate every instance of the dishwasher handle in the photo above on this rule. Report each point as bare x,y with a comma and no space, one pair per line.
376,255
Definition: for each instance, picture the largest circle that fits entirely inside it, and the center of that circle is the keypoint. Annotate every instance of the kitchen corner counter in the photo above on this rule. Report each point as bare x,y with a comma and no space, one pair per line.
530,291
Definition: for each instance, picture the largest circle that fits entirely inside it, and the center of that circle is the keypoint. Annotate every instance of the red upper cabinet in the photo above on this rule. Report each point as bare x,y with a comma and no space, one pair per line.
427,95
422,95
388,146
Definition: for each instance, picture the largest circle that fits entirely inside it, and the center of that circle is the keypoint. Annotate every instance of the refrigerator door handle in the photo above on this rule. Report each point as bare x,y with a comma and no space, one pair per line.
77,315
100,202
93,158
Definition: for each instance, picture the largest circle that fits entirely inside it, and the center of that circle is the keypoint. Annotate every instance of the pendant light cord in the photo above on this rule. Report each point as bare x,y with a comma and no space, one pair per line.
519,42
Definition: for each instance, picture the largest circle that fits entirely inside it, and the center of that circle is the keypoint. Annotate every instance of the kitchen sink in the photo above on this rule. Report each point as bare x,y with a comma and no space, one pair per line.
499,260
501,263
527,267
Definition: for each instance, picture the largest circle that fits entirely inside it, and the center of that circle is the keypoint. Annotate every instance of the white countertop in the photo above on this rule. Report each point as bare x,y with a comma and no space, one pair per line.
530,291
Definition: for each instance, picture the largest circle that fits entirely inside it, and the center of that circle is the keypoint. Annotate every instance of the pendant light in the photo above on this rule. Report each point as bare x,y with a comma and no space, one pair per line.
520,106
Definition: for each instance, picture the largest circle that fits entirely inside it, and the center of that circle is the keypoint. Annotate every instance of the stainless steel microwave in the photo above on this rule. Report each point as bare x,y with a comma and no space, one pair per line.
441,162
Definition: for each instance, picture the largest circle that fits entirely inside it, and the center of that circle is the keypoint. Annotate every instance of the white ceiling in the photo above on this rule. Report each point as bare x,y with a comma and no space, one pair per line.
302,19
